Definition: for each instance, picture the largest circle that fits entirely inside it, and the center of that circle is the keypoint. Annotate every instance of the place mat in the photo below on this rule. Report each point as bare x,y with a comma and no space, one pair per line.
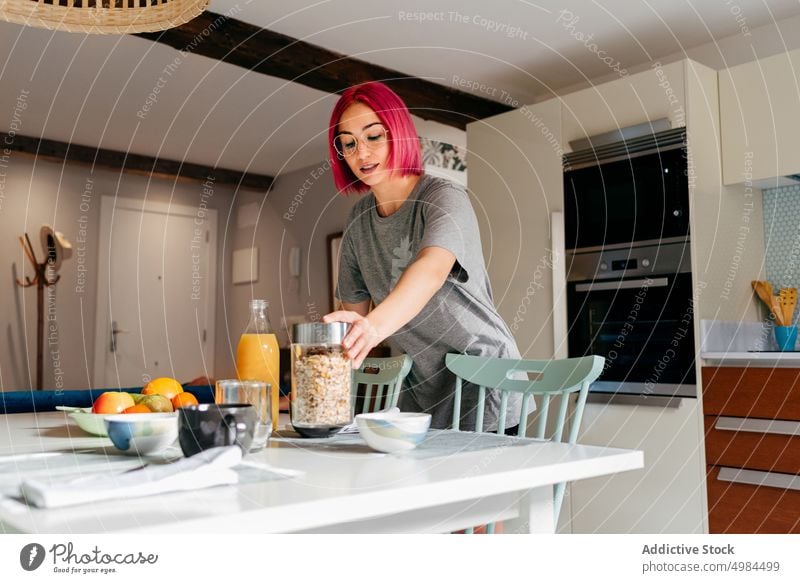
437,443
444,443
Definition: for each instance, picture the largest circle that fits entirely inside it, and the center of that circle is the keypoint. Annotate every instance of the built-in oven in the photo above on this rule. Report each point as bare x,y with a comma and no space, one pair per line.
629,292
634,307
627,192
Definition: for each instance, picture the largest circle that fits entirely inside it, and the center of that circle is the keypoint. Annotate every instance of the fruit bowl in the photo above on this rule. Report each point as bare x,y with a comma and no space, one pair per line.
91,423
142,433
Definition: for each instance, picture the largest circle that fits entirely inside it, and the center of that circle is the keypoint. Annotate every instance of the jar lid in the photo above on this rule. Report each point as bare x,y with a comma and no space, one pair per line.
320,332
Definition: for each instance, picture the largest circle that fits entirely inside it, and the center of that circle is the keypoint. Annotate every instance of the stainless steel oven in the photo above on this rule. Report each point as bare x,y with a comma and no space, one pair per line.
633,305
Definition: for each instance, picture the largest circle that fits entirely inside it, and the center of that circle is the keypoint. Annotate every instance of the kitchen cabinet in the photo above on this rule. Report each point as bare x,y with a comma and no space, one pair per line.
759,102
752,425
726,222
666,496
656,93
516,180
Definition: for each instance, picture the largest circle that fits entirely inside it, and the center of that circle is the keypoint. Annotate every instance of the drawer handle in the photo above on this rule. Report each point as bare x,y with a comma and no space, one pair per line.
758,478
774,426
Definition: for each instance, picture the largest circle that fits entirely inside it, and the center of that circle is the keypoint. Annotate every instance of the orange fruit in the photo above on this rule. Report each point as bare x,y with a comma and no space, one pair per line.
137,409
112,402
163,386
183,399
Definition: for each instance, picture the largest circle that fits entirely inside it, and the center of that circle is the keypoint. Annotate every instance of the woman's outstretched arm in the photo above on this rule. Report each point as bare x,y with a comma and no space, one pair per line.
419,282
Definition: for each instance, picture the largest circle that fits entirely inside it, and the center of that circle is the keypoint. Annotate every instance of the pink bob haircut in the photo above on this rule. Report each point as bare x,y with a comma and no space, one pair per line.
405,156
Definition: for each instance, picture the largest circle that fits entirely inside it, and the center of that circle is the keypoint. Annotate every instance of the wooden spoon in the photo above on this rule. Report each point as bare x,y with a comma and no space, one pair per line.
760,288
788,296
764,291
775,305
777,311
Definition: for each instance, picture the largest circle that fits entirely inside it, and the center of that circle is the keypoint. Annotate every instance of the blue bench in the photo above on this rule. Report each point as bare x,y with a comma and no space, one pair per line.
35,401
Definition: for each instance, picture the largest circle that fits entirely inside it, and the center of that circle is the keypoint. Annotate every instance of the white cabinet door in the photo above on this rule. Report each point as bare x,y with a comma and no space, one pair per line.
644,97
663,497
759,105
516,181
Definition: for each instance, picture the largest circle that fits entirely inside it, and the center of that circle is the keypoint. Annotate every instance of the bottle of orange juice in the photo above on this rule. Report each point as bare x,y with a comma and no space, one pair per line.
258,356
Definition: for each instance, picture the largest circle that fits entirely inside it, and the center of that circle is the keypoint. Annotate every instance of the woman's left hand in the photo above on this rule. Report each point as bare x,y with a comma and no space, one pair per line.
362,337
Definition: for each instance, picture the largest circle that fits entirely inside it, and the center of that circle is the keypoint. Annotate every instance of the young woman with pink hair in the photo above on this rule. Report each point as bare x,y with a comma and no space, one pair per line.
412,247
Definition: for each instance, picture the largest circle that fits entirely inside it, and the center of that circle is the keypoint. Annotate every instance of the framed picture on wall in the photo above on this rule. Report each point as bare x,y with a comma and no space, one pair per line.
334,248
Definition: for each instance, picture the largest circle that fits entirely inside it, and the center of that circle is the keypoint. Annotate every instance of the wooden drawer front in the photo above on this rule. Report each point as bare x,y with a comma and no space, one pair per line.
747,449
768,393
746,509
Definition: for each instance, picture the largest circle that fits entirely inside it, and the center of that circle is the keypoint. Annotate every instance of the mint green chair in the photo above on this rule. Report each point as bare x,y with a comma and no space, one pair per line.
385,377
554,380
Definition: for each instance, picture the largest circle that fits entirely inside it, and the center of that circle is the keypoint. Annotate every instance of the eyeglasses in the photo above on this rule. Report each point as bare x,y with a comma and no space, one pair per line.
373,137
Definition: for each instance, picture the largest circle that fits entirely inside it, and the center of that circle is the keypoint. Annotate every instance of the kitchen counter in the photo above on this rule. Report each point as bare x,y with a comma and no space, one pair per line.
732,343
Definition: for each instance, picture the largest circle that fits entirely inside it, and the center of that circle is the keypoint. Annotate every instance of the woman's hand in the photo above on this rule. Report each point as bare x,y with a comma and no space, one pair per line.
362,337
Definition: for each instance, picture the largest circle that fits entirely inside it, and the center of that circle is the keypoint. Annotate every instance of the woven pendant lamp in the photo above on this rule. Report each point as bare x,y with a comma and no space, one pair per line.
102,16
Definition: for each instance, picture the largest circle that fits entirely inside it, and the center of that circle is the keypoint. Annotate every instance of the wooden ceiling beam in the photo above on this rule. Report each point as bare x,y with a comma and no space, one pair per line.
256,49
134,163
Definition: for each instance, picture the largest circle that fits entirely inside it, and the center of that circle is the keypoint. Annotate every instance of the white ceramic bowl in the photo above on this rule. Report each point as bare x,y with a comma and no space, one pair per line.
393,432
142,433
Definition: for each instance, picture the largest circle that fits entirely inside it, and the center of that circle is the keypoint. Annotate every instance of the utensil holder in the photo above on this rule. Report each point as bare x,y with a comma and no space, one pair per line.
786,337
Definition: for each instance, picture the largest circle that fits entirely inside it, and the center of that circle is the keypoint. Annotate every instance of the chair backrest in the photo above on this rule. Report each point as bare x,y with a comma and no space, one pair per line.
382,378
554,379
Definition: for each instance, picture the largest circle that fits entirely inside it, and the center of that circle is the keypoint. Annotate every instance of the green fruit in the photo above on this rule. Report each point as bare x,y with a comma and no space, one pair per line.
157,403
137,397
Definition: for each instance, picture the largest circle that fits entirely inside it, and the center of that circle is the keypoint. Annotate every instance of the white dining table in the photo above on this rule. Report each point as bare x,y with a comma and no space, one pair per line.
453,480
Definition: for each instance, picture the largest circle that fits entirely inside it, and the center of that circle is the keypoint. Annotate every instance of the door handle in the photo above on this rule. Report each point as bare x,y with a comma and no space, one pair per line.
625,284
115,329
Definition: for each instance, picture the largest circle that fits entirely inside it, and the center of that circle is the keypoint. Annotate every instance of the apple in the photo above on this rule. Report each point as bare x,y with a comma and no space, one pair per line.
112,402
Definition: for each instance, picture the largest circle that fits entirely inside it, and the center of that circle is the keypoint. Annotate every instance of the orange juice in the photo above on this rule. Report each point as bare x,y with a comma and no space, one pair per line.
258,358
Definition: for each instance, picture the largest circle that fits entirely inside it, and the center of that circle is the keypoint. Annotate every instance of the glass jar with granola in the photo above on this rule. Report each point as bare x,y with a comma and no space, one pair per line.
321,401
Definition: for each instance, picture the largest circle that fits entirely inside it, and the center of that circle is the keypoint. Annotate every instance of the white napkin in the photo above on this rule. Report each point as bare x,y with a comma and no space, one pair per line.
212,467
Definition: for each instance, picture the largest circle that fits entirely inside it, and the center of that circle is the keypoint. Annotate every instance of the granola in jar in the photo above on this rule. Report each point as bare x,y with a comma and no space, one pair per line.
321,387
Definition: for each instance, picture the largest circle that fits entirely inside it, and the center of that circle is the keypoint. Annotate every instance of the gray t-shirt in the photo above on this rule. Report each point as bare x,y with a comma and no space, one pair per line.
460,318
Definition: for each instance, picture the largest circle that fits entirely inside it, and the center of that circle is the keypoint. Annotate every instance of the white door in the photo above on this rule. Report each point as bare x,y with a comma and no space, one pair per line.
156,293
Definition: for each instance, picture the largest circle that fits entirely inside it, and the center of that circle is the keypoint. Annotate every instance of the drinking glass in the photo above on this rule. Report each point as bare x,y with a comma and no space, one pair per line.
257,394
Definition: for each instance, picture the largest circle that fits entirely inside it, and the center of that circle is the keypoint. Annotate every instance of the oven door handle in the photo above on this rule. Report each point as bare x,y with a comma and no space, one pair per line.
626,284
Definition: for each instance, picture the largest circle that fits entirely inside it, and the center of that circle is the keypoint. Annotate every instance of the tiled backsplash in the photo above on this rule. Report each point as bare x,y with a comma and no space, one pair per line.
782,236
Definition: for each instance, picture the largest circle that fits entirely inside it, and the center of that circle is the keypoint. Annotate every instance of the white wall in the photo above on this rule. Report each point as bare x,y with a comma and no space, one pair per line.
301,209
36,192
